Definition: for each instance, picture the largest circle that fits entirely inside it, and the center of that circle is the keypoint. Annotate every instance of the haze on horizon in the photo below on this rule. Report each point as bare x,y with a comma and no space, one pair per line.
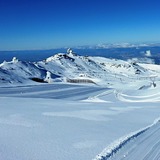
45,24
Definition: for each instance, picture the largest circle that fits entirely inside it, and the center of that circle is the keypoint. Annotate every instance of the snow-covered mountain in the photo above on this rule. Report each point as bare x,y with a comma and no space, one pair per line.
69,66
114,118
20,72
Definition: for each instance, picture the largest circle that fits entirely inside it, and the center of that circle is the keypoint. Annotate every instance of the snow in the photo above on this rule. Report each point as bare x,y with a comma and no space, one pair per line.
111,150
63,66
117,117
153,67
48,77
46,127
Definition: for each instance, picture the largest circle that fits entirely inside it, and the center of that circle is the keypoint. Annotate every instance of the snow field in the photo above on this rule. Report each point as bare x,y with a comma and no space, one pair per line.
59,120
41,122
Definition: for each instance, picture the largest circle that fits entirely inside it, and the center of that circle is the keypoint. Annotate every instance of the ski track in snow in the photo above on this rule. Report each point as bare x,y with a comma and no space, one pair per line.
119,150
131,146
148,98
128,147
61,121
98,97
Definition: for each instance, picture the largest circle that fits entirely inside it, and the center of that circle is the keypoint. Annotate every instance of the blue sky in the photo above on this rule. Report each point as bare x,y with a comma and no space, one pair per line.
46,24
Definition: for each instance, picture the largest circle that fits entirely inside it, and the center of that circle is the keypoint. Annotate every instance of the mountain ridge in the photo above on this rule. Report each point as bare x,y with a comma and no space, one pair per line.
63,66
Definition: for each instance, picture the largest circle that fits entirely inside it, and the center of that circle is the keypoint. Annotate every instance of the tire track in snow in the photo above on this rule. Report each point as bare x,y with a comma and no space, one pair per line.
135,144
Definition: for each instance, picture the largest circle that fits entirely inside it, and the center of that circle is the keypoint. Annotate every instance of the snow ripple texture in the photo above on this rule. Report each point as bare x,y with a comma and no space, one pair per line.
116,146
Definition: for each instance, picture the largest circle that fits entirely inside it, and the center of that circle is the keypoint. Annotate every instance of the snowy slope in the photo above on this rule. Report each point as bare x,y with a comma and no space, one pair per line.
71,66
142,145
20,72
111,118
99,69
62,121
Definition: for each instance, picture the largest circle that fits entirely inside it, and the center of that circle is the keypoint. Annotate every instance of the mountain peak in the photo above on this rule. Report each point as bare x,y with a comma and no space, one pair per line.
70,66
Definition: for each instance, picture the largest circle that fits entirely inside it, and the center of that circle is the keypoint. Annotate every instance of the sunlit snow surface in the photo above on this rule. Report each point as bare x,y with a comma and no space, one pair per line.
113,117
64,121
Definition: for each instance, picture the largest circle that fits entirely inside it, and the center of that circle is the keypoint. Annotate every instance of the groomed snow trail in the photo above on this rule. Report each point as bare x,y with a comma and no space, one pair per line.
141,145
52,91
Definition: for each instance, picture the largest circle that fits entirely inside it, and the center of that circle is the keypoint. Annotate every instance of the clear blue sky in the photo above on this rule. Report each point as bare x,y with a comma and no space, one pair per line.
44,24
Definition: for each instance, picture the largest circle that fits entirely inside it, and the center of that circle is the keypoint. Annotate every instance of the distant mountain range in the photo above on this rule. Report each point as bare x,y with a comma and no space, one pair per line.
119,45
146,52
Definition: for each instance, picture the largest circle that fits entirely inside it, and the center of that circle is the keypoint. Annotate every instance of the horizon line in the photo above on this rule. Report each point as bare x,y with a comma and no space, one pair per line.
153,43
